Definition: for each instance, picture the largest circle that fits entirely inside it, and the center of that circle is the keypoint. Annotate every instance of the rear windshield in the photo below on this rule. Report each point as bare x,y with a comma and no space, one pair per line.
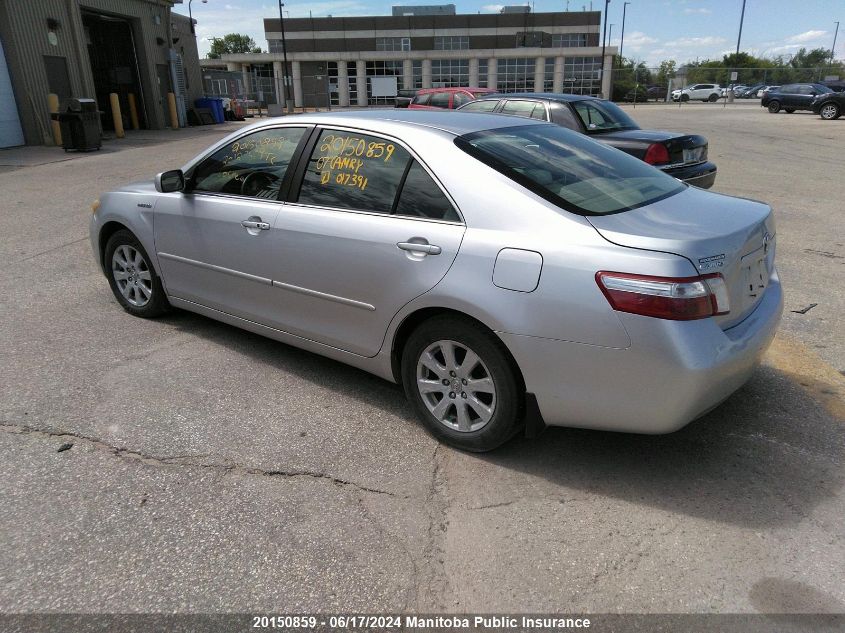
570,170
603,116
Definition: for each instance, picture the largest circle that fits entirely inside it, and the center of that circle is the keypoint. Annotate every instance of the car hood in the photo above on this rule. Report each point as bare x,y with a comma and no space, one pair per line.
139,186
717,233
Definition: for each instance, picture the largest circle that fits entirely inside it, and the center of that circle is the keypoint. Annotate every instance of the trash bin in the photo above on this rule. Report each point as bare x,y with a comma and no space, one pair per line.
80,125
215,105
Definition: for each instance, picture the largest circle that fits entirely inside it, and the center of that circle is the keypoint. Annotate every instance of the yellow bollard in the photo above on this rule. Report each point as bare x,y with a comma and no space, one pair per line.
53,105
174,117
115,114
133,112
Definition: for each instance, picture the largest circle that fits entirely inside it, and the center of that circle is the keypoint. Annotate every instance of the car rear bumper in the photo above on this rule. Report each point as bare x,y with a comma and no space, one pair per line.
673,373
702,175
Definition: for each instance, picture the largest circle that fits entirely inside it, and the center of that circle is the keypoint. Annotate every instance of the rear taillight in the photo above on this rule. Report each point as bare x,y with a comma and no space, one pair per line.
674,298
656,154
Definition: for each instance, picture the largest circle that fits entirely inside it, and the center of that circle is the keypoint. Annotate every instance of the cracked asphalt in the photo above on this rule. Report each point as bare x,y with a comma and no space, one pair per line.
212,470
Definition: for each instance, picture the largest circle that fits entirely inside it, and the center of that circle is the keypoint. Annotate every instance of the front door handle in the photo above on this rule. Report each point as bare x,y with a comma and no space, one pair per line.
252,224
428,249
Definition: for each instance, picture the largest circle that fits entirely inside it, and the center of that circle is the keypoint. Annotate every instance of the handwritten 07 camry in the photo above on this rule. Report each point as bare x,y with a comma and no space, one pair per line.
509,273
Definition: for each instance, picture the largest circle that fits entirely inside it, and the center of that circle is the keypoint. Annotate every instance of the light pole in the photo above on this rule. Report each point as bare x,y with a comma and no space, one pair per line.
190,17
288,101
741,18
622,41
833,48
603,42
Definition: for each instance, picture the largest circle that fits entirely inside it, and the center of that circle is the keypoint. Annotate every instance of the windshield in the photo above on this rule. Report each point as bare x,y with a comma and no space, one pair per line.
570,170
603,116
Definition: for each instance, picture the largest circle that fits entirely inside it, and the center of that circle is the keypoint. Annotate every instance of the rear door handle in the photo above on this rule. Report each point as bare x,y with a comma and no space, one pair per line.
428,249
252,224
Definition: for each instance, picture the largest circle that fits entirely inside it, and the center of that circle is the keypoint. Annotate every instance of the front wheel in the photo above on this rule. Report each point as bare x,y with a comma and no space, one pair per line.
713,98
829,111
684,97
462,384
133,280
774,107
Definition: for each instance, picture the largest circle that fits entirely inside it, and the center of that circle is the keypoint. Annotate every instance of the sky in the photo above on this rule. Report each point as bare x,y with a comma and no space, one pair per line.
655,30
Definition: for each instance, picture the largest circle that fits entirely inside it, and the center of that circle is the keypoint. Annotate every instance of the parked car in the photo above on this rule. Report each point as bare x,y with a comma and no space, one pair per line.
508,272
750,92
829,105
404,98
446,98
702,92
765,89
647,93
836,86
736,89
792,97
682,156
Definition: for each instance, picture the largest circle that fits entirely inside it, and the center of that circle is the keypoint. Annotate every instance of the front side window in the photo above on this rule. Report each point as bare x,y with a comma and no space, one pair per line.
354,171
602,116
570,170
459,99
440,100
253,165
481,106
422,99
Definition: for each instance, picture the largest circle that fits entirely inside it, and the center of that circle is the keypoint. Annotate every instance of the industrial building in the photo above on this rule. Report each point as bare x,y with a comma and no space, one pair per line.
332,60
92,48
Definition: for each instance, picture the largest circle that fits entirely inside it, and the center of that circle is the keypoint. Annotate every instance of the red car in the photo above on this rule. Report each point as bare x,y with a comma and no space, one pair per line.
446,98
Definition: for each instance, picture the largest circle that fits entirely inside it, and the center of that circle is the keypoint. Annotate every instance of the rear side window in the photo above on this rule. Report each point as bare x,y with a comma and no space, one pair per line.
519,108
569,169
791,89
422,198
481,106
253,165
422,99
440,100
347,170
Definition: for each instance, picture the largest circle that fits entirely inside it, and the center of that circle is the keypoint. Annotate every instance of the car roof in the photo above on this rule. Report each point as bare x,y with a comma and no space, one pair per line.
394,119
550,96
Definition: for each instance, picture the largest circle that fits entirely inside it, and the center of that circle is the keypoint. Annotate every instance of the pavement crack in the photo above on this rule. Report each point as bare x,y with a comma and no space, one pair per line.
188,460
434,587
488,506
49,250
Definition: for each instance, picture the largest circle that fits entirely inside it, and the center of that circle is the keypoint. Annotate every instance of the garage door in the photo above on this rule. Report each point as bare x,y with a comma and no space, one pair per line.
11,133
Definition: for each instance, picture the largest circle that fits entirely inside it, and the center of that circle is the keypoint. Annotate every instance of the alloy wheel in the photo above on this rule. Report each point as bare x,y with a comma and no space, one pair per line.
829,112
132,275
456,386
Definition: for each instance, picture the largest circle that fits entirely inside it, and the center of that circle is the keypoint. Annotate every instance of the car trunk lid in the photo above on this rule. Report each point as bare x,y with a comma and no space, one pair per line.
684,149
716,233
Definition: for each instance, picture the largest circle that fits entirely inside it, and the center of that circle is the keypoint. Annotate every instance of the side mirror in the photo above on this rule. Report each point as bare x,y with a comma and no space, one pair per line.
170,181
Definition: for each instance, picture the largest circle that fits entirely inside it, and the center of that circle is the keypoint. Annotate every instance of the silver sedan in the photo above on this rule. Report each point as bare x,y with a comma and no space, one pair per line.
511,274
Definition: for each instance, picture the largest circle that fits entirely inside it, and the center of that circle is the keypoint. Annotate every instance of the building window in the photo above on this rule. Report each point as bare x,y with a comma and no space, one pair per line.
393,43
529,39
449,73
482,74
567,40
451,42
262,83
515,75
417,74
352,74
582,75
383,68
549,75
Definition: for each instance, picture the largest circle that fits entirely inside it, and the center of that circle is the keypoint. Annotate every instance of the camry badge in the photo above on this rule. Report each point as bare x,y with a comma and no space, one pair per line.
709,263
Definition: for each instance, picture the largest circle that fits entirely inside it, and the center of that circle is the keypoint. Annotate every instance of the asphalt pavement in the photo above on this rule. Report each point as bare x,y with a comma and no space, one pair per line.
183,465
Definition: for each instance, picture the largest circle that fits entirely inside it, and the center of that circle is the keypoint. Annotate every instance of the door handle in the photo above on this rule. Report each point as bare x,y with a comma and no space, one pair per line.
428,249
252,224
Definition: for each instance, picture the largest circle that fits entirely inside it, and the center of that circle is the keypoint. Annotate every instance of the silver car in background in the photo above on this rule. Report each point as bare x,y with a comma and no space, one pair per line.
509,273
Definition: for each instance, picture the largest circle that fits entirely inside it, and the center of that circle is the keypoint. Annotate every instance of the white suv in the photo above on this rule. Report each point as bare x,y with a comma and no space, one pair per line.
704,92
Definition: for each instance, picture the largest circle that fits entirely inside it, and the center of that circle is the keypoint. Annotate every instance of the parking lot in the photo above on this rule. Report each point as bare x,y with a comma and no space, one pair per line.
214,470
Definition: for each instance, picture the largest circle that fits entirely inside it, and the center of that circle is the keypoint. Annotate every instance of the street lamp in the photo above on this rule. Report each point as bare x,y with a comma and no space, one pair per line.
603,34
288,101
833,48
741,18
622,41
190,17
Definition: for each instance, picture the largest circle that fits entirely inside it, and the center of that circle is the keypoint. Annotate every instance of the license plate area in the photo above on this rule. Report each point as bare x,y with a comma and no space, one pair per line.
693,155
756,278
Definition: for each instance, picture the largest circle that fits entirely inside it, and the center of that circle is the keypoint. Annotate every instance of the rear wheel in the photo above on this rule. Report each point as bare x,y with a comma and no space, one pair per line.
774,107
462,384
830,111
133,280
713,97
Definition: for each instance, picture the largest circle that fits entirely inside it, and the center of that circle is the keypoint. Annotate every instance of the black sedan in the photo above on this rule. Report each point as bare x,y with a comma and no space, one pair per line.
683,156
792,97
829,105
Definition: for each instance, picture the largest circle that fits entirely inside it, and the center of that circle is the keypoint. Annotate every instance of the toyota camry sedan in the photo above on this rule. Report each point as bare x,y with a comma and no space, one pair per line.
509,273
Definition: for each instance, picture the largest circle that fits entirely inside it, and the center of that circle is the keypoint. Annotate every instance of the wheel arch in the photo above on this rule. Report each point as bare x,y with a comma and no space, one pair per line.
108,229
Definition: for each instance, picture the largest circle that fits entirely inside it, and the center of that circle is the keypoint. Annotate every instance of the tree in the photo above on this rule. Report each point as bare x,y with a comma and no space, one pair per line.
232,43
665,72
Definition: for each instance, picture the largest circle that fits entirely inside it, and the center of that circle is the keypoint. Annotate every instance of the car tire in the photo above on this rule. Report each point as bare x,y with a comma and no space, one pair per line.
132,278
789,110
438,382
774,107
713,98
830,111
684,97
